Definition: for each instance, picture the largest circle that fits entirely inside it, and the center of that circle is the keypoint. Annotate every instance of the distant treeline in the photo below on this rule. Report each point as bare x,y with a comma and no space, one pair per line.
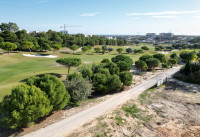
44,40
186,46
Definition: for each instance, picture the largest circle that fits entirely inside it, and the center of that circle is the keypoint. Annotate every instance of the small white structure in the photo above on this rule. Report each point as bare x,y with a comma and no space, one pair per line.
38,55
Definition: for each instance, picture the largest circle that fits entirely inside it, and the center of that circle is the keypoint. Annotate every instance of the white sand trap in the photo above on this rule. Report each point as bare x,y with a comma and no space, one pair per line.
38,55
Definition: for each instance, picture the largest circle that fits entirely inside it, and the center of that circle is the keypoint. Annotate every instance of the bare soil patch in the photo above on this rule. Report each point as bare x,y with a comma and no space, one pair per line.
168,111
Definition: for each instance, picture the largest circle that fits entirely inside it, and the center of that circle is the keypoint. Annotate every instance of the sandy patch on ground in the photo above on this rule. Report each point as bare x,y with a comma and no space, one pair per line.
41,56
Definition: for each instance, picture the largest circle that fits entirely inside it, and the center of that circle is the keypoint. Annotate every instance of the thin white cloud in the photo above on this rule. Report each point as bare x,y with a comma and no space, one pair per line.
197,17
165,17
135,18
162,13
90,14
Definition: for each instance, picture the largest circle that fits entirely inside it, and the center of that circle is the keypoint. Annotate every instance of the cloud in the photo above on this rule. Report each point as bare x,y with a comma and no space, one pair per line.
197,17
90,14
165,17
162,13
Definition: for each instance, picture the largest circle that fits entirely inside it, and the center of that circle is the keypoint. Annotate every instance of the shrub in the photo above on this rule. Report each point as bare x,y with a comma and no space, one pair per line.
74,75
86,73
54,89
129,50
120,50
164,65
23,106
145,48
79,89
126,78
173,55
172,62
105,61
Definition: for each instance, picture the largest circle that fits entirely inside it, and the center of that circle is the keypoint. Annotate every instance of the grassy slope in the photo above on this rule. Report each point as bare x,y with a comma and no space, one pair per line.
15,68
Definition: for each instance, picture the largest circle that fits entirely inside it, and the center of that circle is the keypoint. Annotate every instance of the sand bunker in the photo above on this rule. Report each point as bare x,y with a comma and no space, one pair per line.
38,55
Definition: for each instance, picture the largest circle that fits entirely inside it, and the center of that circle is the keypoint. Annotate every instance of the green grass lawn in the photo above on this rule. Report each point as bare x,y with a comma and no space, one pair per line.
14,68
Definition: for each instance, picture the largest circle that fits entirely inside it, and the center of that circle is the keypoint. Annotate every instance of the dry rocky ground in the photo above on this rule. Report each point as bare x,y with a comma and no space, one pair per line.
60,115
171,110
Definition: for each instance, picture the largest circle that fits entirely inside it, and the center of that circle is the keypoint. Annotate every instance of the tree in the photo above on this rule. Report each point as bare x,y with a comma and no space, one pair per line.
173,55
100,82
161,57
45,47
118,58
85,49
54,89
9,36
73,48
152,63
110,49
104,48
8,46
23,106
113,68
120,50
145,57
158,49
86,73
145,48
138,51
141,65
187,56
79,89
105,61
56,47
172,62
97,50
114,83
126,78
129,50
27,45
69,62
124,66
10,26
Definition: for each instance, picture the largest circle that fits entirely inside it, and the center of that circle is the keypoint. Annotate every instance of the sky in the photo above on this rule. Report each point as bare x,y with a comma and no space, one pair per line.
128,17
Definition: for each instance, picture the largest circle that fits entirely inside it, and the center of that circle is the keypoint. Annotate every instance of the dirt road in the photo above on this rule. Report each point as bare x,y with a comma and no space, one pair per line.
68,124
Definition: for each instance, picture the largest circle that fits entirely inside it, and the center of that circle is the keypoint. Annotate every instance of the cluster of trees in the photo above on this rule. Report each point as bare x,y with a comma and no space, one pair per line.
33,100
163,48
191,71
186,46
44,41
106,77
140,51
151,61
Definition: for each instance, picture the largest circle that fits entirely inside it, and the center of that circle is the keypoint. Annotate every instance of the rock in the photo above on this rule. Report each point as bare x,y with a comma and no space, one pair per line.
126,132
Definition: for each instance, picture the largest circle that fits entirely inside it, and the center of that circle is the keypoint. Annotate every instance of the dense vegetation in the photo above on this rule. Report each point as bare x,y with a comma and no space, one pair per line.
44,41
